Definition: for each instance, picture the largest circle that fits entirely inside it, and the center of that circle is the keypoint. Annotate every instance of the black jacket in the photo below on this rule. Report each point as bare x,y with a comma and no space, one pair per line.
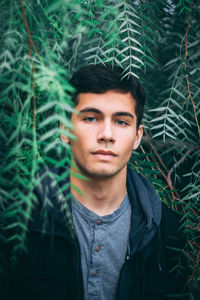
51,267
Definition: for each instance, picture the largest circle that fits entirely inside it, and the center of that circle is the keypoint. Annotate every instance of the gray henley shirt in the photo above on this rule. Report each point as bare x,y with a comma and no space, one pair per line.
103,245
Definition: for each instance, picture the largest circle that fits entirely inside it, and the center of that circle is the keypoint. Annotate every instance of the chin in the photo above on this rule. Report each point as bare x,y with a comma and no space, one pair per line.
101,173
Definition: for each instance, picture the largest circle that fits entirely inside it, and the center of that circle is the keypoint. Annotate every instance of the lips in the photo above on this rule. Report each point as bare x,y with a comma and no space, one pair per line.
103,152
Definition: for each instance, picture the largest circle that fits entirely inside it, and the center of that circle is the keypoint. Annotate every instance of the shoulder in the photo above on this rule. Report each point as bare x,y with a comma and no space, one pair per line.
170,221
141,189
171,227
140,181
170,217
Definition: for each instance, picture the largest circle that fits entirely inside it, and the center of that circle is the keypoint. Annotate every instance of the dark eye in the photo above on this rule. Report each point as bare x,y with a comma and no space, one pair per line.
121,123
90,119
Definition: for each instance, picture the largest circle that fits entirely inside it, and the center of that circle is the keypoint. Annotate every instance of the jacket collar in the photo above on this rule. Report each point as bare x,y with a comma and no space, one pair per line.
141,189
146,211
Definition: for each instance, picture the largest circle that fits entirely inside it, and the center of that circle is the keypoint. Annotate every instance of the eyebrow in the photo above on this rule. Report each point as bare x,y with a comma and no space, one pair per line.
97,111
90,109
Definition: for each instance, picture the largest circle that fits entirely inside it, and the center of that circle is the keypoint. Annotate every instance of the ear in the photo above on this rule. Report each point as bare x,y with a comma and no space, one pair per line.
64,137
138,137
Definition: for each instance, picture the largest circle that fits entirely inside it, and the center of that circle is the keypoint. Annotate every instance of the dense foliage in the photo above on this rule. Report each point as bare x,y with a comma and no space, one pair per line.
43,42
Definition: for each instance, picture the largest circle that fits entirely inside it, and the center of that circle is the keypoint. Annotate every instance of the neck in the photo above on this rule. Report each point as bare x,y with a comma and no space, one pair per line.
102,196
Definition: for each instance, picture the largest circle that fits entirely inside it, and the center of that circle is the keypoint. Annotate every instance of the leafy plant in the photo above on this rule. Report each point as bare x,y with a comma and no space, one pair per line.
43,43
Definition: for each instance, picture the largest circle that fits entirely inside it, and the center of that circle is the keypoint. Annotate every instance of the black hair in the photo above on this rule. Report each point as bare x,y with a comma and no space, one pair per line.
101,78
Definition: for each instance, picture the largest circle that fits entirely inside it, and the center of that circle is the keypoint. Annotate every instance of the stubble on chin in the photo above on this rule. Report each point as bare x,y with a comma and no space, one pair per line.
98,173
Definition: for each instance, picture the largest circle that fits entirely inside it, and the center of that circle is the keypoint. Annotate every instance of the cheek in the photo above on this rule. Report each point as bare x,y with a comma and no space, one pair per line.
80,145
129,150
85,135
127,145
127,139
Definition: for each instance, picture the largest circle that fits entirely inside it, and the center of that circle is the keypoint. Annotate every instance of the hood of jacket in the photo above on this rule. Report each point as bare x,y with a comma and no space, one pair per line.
146,211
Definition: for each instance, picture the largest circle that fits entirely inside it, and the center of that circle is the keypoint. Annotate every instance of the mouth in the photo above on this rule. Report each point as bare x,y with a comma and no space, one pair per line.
105,153
104,156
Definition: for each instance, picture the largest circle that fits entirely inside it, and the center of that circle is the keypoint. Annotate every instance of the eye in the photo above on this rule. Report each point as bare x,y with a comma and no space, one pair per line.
90,119
122,123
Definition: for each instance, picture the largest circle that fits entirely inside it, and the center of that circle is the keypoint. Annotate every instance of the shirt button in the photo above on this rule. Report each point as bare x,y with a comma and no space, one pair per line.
99,222
95,273
97,248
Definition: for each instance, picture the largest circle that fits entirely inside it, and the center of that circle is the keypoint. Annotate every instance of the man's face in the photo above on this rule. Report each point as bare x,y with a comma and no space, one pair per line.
106,133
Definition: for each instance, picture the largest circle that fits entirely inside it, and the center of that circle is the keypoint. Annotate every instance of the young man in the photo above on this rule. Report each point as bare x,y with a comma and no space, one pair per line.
115,244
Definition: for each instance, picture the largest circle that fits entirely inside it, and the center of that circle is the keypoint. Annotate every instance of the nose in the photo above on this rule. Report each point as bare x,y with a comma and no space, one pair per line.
106,133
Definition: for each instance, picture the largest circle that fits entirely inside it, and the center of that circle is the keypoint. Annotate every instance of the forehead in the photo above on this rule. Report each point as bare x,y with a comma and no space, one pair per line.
108,102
